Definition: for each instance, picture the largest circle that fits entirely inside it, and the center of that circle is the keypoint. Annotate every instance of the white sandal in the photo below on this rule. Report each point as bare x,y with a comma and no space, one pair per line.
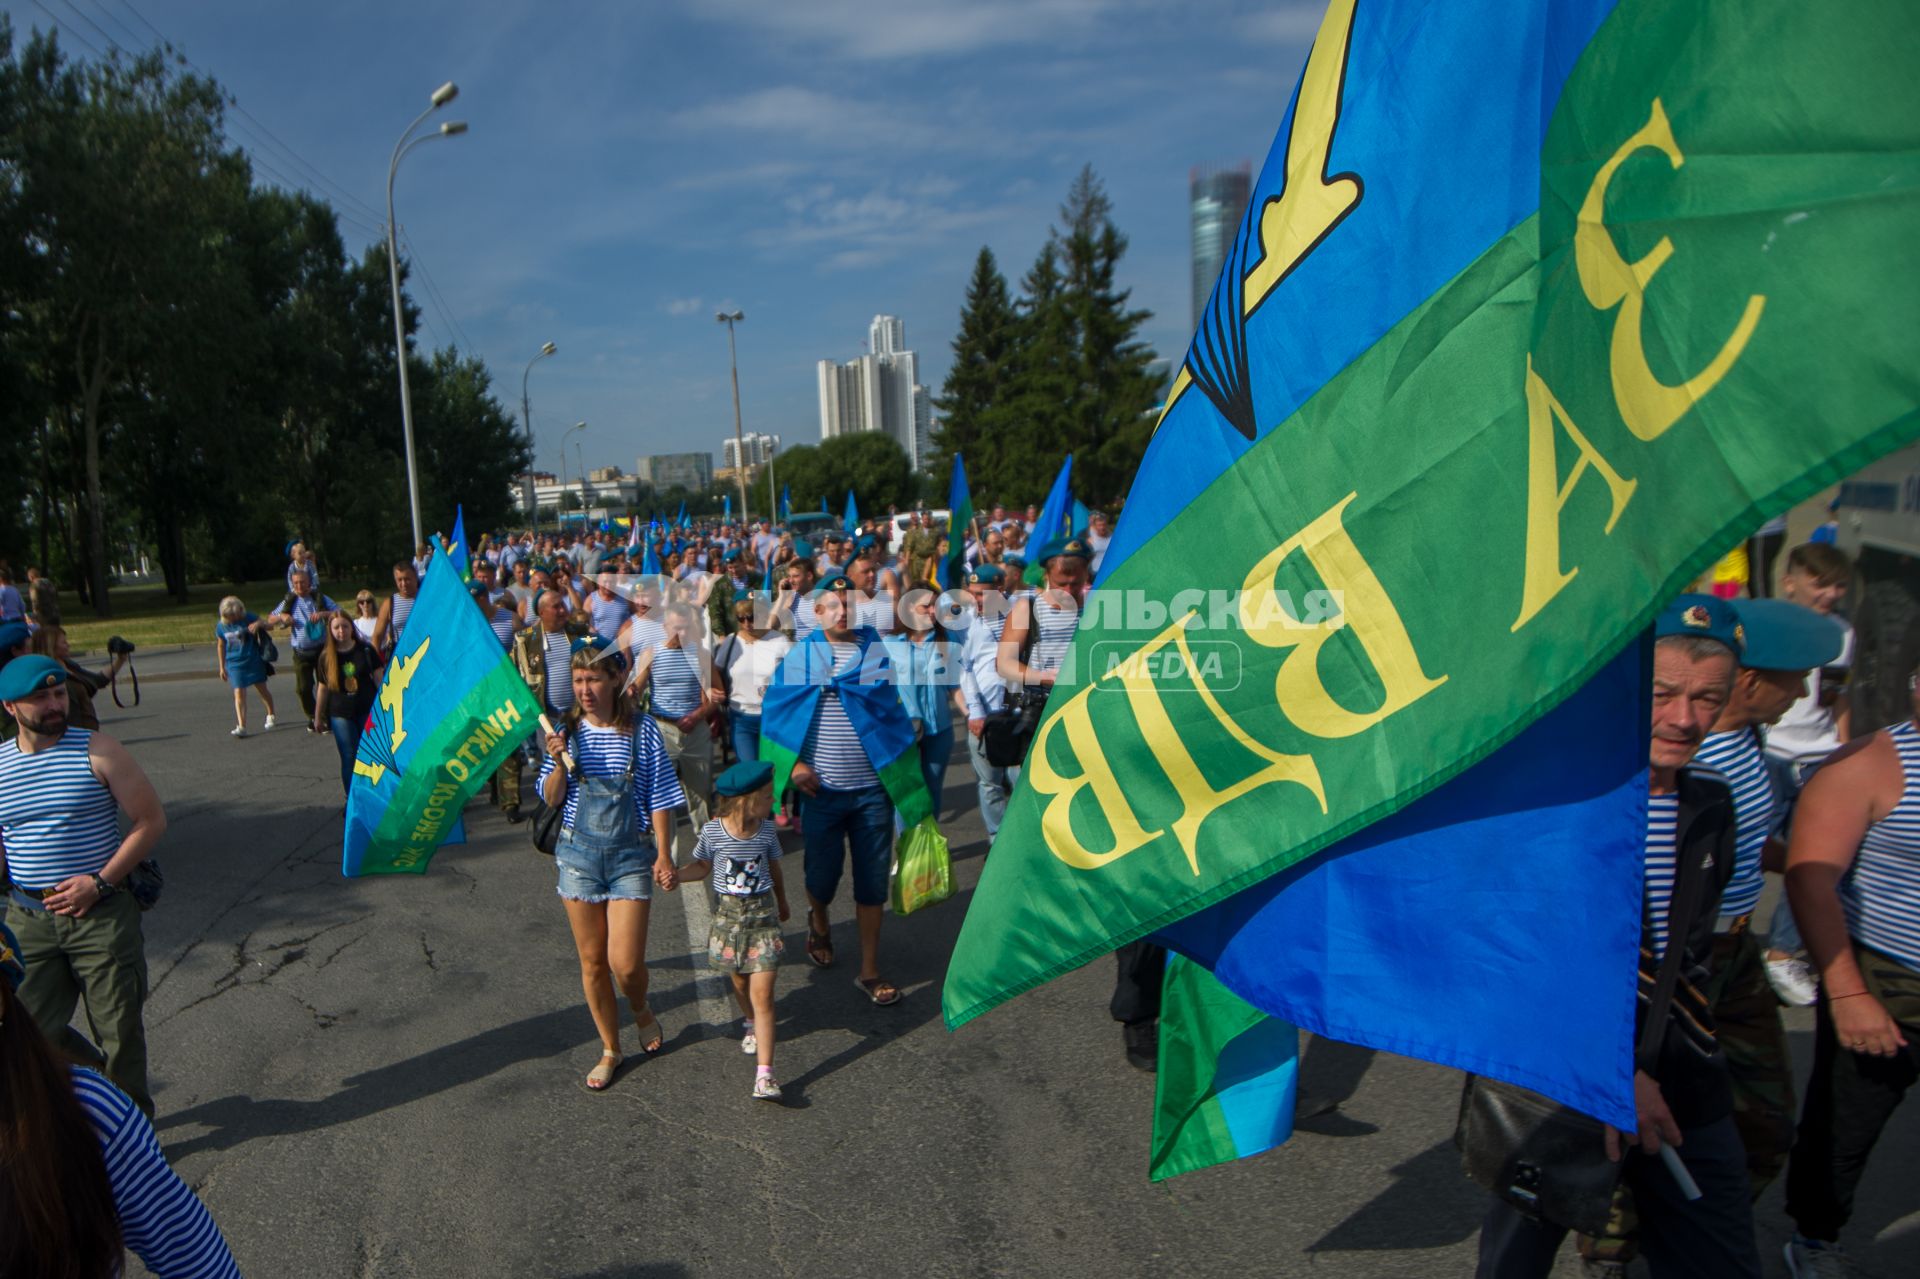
600,1078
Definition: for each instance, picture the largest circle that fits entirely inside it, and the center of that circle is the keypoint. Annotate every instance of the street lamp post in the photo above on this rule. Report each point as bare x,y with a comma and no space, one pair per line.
731,318
560,504
526,417
773,490
441,96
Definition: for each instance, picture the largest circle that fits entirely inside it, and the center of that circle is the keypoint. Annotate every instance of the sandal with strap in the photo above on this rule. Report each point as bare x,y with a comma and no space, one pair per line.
601,1076
819,948
652,1037
749,1042
879,990
766,1088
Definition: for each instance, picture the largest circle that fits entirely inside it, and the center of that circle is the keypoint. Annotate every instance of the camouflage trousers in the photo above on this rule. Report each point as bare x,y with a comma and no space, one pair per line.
1747,1024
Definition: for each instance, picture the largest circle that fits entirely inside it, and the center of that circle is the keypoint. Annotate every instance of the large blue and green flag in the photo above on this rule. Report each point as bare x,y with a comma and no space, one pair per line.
1530,316
450,708
953,569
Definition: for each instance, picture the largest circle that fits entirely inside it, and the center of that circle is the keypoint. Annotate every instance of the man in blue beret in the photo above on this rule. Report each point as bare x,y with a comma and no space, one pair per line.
61,792
983,692
1682,1092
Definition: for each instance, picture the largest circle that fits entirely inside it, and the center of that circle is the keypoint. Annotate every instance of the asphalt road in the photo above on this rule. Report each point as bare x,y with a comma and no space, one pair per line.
381,1077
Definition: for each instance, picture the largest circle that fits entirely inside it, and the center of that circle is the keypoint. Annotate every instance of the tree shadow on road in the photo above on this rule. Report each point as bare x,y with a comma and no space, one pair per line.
240,1118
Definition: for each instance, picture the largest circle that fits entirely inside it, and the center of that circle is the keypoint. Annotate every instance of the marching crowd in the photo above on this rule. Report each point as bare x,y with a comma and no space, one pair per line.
674,670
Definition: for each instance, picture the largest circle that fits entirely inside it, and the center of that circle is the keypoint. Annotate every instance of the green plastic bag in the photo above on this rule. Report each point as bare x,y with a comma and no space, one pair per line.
924,876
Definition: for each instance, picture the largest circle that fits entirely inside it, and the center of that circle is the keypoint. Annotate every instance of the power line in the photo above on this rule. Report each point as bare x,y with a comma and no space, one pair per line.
440,300
69,31
262,138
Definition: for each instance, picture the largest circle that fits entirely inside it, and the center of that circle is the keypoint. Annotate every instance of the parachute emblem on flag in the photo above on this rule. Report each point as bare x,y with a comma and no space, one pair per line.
1290,226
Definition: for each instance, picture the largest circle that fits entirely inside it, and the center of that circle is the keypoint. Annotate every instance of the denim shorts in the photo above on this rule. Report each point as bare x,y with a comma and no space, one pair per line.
842,826
625,874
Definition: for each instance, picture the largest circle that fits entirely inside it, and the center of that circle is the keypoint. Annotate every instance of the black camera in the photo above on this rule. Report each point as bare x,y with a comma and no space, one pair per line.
116,645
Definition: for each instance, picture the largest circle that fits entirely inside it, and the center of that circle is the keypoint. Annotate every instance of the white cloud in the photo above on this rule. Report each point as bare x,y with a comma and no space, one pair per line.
949,28
1291,23
681,306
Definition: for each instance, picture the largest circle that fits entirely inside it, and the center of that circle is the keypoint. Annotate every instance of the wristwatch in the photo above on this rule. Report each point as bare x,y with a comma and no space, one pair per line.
102,887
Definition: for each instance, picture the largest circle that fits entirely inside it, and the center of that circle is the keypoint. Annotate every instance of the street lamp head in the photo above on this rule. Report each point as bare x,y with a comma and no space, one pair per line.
452,128
548,349
445,94
727,316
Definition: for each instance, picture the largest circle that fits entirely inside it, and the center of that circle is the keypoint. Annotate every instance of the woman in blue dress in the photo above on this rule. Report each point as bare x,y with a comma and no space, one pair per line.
239,647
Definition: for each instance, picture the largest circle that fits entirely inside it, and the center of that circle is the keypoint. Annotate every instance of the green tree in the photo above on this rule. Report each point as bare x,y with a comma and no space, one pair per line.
1107,419
977,380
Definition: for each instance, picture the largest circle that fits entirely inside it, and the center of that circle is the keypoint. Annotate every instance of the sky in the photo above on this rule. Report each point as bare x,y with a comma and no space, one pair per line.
632,168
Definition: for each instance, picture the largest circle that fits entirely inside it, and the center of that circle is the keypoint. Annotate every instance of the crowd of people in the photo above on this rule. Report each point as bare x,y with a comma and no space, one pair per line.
674,669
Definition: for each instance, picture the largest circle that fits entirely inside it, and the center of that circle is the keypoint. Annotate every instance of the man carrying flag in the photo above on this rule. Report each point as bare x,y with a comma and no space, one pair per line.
834,727
1682,1091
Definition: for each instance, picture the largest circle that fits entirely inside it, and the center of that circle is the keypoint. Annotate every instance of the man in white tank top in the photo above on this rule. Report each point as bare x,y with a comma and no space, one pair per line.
67,866
1853,875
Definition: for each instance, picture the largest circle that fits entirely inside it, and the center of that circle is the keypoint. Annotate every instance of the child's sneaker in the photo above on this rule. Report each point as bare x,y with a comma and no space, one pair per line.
269,725
766,1088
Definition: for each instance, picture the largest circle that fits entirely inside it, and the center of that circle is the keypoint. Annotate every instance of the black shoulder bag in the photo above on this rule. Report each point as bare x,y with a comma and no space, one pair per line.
1549,1160
545,826
1009,731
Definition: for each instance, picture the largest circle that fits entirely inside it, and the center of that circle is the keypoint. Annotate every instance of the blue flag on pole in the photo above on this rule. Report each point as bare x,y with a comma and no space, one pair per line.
852,520
786,504
952,570
458,552
1056,519
726,510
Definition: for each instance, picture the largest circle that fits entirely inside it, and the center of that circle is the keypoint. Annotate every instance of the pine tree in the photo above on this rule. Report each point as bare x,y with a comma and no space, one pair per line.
1106,419
1030,429
977,380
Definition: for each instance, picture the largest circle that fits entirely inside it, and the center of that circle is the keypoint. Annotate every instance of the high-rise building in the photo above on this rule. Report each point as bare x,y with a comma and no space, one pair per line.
755,448
886,335
1217,199
880,391
849,396
676,470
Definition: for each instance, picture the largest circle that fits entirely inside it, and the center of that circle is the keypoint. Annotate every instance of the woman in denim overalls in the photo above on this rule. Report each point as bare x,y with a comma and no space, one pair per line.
618,798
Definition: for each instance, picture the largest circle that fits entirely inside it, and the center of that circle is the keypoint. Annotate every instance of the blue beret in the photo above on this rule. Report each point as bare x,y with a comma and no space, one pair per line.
733,553
803,548
985,575
744,778
864,541
833,581
1074,547
1705,616
12,968
13,635
24,676
1014,557
1784,636
479,590
602,650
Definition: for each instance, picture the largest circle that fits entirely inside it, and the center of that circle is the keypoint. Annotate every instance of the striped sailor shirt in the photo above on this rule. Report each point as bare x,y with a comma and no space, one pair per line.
161,1221
1881,892
605,752
57,819
741,867
833,747
1736,758
1663,820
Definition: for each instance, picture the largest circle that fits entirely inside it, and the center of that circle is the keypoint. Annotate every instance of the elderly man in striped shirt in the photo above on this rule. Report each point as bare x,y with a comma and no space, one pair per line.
61,790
